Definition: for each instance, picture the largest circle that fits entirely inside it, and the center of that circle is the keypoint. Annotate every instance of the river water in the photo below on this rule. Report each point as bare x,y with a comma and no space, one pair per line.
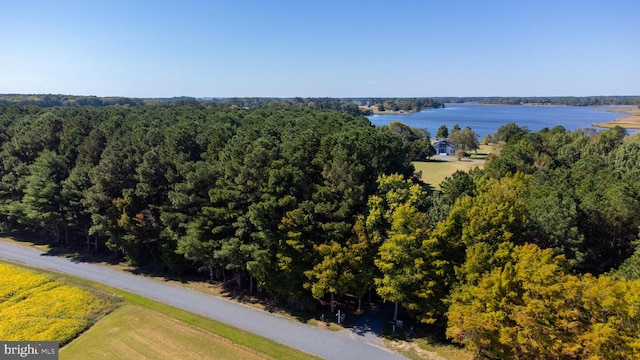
486,119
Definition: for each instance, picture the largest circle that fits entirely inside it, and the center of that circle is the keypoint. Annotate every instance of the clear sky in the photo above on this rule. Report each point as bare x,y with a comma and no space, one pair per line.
306,48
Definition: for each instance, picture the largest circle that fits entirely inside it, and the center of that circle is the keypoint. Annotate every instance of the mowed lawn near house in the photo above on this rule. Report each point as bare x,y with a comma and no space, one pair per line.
436,170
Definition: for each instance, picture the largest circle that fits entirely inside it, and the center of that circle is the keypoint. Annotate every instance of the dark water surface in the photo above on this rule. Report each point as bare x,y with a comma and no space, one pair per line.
486,119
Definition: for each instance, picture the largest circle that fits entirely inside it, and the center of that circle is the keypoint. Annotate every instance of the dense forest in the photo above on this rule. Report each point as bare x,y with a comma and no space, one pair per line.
533,256
350,105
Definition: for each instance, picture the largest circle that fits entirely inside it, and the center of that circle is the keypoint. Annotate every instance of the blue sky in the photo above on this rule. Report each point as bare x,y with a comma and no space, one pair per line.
320,48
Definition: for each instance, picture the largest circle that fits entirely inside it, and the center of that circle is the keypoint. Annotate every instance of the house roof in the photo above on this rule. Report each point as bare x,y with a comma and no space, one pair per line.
446,141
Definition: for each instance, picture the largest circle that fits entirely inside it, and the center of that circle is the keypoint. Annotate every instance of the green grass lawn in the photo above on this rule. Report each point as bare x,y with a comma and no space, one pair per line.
136,332
255,342
436,170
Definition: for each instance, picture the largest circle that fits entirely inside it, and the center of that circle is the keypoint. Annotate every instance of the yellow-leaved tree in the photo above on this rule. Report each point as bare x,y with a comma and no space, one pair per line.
532,307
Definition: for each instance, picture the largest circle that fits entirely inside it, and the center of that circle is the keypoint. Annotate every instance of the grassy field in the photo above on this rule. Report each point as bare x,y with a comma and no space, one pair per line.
630,122
178,333
435,171
136,332
257,343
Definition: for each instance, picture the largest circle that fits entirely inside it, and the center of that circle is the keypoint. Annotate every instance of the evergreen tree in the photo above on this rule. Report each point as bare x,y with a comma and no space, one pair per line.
42,201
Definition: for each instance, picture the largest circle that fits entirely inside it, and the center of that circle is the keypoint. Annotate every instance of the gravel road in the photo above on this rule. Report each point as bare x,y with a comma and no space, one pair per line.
323,343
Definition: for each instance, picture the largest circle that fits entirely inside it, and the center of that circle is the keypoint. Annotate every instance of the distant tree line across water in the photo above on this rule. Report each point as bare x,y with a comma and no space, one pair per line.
49,100
547,100
349,105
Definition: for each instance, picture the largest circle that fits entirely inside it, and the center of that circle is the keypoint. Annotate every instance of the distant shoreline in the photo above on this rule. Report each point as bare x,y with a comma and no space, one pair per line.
374,110
627,122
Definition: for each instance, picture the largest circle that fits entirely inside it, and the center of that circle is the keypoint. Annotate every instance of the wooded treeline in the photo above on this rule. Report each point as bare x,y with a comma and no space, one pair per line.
243,194
49,100
350,105
549,100
533,256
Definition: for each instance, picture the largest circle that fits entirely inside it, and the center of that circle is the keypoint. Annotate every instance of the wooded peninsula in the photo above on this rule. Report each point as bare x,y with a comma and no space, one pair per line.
306,201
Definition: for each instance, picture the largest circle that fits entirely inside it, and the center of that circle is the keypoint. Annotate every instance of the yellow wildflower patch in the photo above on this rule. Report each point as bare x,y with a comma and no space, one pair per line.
35,307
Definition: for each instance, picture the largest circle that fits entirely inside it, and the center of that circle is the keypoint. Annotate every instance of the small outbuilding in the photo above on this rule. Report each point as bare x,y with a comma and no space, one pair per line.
445,147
